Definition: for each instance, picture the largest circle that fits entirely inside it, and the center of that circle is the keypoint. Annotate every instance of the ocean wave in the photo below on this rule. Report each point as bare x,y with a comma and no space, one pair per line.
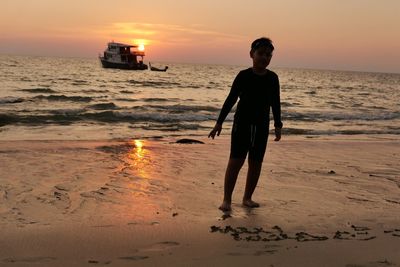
66,116
152,117
173,127
79,82
300,131
65,98
156,84
287,104
294,131
126,99
38,90
377,107
58,119
165,122
330,116
67,112
11,100
157,99
10,65
185,108
192,86
94,91
104,106
126,92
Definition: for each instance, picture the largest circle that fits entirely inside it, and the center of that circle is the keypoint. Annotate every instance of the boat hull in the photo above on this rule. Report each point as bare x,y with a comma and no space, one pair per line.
155,69
123,66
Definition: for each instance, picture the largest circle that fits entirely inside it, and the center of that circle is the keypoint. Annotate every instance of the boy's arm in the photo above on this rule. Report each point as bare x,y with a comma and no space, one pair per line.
276,110
229,101
226,108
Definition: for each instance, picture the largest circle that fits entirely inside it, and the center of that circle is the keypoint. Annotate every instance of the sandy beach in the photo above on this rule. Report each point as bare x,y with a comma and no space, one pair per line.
325,201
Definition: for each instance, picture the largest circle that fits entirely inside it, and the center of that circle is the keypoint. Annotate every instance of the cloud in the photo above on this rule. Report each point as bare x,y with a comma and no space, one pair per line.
169,34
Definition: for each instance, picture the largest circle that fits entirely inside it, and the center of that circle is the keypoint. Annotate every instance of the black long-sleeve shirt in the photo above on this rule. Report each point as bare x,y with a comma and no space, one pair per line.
257,93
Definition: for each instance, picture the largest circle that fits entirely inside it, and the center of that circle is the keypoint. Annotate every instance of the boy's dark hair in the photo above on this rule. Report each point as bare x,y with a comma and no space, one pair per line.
262,42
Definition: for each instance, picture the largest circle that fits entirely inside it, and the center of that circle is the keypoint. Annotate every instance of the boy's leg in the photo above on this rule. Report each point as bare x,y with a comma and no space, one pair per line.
256,156
231,174
253,174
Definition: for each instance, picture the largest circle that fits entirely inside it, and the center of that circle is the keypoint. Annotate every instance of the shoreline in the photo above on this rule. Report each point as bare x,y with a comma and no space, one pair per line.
225,135
154,203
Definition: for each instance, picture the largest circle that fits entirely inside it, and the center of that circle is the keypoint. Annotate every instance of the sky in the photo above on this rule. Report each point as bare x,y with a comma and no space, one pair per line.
360,35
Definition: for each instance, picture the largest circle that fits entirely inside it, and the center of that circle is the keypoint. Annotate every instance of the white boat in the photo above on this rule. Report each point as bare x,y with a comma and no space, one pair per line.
123,56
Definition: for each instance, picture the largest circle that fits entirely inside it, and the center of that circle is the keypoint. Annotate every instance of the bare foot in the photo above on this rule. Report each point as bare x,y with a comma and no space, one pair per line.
250,203
225,206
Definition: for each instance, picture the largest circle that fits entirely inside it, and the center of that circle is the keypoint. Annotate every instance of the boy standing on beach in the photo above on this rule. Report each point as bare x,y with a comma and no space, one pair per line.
258,90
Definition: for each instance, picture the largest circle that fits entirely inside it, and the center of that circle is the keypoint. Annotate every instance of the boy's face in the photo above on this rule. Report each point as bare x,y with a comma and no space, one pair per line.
261,57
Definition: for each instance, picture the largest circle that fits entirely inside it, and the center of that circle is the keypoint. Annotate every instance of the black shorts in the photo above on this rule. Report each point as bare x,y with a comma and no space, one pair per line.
249,138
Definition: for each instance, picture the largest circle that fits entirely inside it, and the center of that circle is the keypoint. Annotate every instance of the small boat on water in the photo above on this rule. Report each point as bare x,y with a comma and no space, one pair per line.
123,56
157,69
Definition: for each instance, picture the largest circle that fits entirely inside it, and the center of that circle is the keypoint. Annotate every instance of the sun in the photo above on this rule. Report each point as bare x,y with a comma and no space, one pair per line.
140,43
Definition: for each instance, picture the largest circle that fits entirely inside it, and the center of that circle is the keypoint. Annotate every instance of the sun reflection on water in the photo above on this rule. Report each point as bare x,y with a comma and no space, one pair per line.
139,158
138,144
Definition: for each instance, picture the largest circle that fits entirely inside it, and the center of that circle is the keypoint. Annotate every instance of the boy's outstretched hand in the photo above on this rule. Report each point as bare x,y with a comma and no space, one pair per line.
216,130
278,132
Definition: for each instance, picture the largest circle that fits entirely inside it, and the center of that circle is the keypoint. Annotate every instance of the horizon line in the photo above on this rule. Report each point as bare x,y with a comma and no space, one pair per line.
211,63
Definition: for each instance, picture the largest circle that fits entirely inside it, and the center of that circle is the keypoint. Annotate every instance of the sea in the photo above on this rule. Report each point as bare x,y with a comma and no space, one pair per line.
49,98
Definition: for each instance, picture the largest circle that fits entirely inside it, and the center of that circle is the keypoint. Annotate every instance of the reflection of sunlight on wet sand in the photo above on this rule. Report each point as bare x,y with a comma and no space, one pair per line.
139,159
145,195
136,166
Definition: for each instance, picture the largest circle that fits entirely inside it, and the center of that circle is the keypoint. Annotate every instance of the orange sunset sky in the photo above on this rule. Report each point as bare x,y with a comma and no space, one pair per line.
329,34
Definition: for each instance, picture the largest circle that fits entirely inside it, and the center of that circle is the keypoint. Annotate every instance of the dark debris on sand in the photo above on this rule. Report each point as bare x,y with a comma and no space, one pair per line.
276,233
357,233
259,234
395,232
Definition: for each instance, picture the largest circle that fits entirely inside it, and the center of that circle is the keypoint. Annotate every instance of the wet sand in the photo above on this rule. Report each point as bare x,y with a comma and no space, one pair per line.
325,201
